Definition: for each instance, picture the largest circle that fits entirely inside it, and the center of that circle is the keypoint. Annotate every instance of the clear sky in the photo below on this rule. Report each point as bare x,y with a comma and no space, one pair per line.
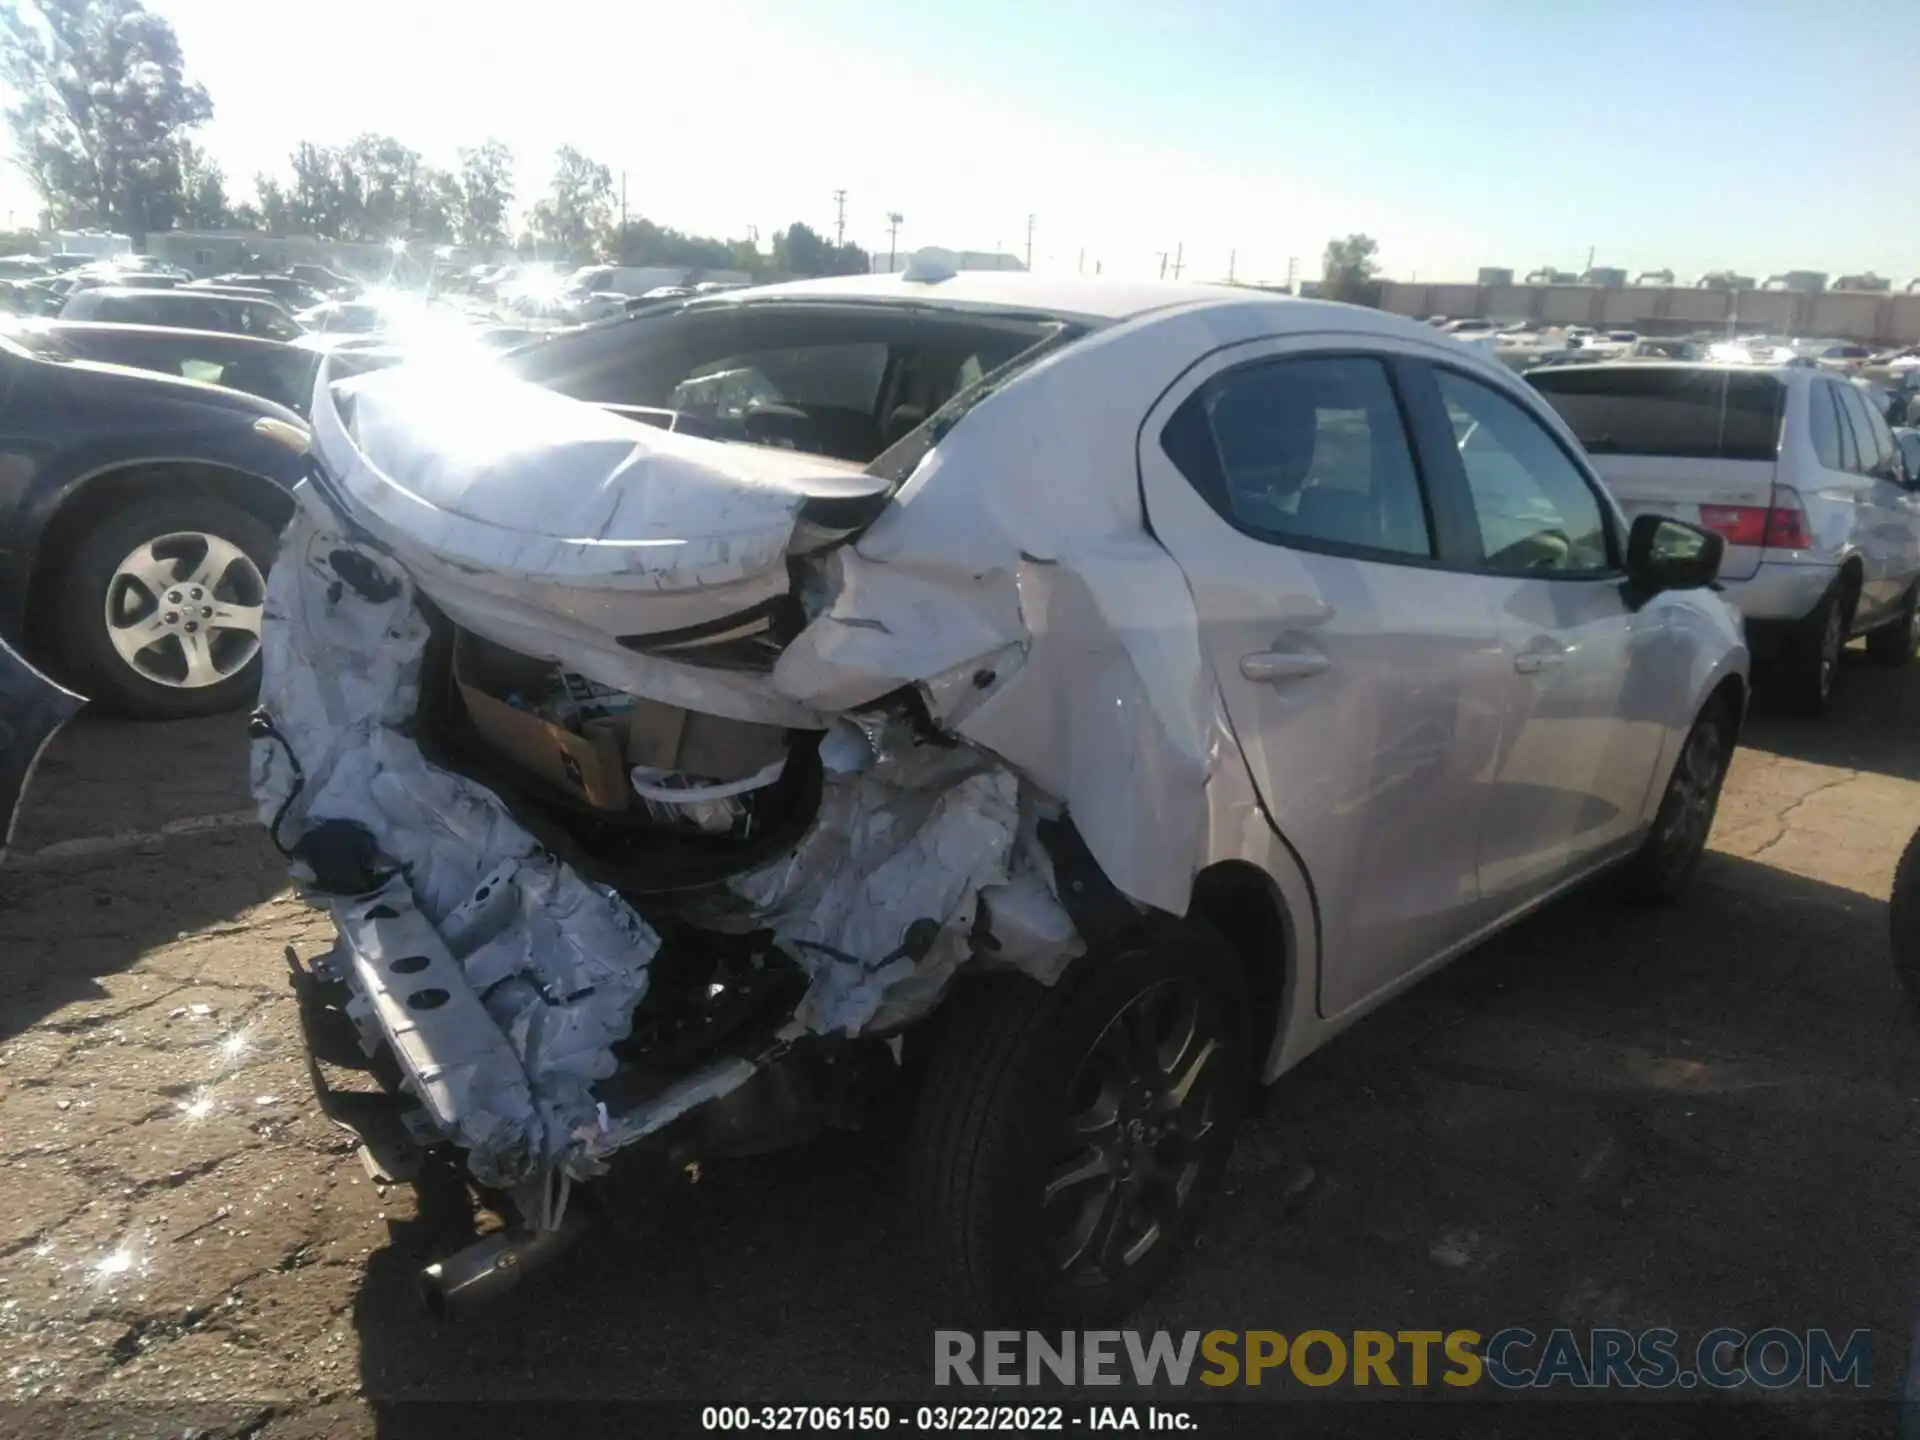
1695,134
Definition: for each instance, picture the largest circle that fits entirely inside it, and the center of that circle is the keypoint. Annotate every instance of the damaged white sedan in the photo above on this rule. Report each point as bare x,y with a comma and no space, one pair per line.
1065,703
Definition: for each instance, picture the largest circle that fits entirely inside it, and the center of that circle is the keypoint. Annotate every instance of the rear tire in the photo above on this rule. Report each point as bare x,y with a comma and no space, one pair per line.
1662,868
167,530
1893,644
1804,682
1073,1091
1903,921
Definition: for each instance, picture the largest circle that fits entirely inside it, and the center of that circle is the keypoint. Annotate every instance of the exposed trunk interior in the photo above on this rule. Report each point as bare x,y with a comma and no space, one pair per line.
605,830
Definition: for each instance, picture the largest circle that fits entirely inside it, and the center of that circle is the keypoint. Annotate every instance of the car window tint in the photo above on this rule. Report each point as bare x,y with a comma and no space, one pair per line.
1308,451
1910,448
1882,435
1536,511
1849,444
1823,426
844,377
1853,405
1710,414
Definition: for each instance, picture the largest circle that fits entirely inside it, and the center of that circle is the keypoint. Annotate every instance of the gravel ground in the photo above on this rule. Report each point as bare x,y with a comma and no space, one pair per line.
1695,1117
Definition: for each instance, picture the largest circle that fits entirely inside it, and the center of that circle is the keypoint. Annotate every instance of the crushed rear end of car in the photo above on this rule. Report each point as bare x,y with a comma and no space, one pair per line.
651,810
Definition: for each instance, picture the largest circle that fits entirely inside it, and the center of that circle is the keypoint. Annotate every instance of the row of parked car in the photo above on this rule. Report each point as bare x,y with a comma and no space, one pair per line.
1267,651
1789,463
152,417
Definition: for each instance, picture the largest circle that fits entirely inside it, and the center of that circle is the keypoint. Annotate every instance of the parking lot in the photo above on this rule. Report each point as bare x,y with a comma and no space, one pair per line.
1692,1118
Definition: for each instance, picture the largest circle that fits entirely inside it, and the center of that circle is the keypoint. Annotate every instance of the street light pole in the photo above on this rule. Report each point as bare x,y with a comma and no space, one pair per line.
894,221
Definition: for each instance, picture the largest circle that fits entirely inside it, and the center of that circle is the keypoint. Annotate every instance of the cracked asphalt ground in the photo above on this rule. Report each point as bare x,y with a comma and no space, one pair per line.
1694,1117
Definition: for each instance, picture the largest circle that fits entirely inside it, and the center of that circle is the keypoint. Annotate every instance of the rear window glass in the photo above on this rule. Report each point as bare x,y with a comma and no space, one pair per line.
1654,410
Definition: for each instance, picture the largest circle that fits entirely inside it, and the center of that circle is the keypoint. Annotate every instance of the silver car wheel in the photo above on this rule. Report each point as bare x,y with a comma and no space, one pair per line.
183,610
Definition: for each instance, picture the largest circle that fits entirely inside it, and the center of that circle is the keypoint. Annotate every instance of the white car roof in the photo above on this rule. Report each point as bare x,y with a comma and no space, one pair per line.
1093,299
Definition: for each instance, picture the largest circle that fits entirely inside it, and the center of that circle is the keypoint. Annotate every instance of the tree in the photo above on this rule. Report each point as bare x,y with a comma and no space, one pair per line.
1347,272
579,204
324,198
485,192
400,198
271,207
203,190
99,103
642,242
801,250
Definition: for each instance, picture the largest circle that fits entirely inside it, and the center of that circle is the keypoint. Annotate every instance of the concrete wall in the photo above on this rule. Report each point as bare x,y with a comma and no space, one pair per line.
1568,304
1871,318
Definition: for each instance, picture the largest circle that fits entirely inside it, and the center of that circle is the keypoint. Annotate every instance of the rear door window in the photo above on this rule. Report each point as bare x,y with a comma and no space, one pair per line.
1823,426
1883,443
1853,406
1309,453
1849,442
1661,410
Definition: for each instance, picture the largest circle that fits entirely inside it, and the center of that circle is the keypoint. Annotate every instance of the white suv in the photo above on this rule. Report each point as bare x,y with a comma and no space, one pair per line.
1800,475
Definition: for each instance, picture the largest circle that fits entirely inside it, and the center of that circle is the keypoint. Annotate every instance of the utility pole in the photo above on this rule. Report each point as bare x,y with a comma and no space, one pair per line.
894,219
839,218
1029,242
1081,268
1590,250
1178,250
623,213
1232,255
1293,269
1163,264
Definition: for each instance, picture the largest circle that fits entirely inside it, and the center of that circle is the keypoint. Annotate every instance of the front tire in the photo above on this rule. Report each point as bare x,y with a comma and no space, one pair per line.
1068,1141
1662,868
158,608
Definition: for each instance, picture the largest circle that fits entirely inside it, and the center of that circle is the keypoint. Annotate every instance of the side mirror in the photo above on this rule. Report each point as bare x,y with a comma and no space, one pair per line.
1667,554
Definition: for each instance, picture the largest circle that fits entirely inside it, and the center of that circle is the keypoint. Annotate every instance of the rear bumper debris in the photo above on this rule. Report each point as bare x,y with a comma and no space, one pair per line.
32,711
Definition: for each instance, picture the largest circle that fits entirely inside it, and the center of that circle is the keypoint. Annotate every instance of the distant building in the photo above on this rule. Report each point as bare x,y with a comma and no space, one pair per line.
1801,282
214,251
1495,275
91,242
1606,277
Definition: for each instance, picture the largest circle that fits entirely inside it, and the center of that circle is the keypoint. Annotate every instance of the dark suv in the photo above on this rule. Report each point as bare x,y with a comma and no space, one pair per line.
138,516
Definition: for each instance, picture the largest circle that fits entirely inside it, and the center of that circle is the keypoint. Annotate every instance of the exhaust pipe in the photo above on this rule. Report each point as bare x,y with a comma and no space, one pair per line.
489,1268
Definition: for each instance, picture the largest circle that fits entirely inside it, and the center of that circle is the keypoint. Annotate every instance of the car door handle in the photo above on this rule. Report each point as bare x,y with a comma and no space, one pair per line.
1532,662
1267,667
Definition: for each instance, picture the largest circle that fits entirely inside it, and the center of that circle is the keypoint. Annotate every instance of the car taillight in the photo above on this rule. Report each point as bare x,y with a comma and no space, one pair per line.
1780,526
1736,524
1787,522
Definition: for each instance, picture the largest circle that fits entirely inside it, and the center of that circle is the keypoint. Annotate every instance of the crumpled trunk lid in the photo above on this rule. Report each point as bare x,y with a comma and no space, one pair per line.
560,527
